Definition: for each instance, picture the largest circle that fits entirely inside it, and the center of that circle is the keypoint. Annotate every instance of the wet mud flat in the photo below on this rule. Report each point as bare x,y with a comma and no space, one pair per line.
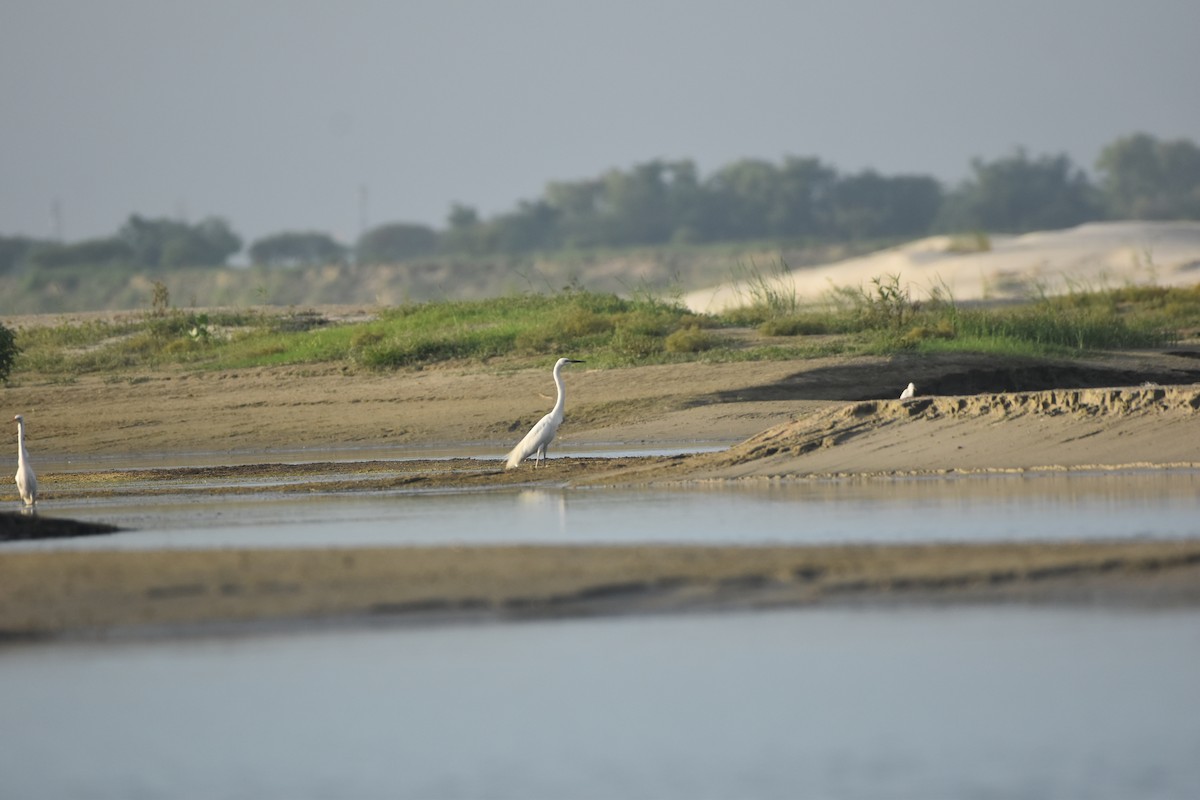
18,527
53,594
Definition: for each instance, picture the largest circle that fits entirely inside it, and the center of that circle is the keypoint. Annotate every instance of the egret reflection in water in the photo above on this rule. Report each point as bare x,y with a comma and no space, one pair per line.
546,506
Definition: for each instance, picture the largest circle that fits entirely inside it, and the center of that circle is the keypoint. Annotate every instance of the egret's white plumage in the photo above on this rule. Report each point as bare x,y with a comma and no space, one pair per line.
908,392
26,480
541,434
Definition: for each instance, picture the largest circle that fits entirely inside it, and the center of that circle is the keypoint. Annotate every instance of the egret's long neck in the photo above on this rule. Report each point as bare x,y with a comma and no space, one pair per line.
21,439
562,395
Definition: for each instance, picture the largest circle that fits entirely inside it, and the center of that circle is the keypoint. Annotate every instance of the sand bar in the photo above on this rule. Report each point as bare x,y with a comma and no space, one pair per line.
782,421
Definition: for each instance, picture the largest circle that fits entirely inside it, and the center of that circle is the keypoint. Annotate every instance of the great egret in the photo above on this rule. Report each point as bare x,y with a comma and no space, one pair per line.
541,434
26,480
908,392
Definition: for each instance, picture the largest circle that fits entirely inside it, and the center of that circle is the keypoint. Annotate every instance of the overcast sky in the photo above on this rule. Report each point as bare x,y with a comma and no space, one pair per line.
281,115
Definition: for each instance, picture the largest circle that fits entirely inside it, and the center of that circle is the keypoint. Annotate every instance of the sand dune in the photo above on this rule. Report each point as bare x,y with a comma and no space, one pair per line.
1092,256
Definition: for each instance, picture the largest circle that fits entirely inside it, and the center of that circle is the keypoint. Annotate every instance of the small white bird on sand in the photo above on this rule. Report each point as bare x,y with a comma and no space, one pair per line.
541,434
26,480
908,392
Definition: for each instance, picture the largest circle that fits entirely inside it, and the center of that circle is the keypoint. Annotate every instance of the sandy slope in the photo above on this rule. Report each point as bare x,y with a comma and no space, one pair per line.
1089,256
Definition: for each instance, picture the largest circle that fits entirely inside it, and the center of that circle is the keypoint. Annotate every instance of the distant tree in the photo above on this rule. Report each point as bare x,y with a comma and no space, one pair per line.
755,199
1018,194
802,197
688,205
88,252
578,206
172,243
666,201
396,241
872,206
14,250
743,196
654,202
147,238
219,242
466,232
1142,177
636,208
294,249
532,226
8,351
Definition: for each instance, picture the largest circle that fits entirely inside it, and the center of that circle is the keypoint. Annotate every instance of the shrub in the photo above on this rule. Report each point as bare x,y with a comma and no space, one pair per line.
942,329
691,339
577,322
632,345
796,325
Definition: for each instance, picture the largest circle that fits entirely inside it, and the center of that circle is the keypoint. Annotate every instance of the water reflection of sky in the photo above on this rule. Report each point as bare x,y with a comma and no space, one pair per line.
1055,506
949,703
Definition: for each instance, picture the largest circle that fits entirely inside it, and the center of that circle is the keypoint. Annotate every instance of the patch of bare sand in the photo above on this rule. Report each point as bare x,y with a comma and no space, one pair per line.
296,408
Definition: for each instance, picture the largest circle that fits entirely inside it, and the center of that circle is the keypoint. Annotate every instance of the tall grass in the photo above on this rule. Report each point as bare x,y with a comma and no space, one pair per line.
609,330
885,317
770,293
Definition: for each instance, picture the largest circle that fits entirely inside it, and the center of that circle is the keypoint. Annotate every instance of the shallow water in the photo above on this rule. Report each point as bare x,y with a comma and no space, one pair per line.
1045,506
995,702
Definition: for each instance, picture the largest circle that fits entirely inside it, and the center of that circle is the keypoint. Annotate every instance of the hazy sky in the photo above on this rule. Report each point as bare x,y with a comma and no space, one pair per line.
275,115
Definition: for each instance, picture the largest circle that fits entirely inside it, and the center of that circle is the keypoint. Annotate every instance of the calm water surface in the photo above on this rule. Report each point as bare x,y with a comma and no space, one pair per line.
976,703
1002,702
1158,504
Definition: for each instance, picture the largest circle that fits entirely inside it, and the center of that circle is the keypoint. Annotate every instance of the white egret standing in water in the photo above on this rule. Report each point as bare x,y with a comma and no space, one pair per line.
908,392
26,480
541,434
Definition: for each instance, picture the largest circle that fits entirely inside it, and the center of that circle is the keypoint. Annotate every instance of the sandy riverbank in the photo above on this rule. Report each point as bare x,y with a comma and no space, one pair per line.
792,420
280,412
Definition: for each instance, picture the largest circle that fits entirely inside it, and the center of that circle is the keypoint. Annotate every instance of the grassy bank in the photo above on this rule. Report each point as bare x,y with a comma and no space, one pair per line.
608,330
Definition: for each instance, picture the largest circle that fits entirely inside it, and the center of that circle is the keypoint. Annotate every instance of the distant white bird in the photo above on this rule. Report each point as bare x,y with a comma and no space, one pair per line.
26,480
908,392
541,434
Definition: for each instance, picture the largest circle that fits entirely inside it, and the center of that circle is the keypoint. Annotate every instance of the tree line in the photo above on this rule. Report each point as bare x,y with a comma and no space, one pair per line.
669,202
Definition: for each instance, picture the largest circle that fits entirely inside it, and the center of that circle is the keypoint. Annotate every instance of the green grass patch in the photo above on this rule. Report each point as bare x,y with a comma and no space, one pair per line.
609,330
